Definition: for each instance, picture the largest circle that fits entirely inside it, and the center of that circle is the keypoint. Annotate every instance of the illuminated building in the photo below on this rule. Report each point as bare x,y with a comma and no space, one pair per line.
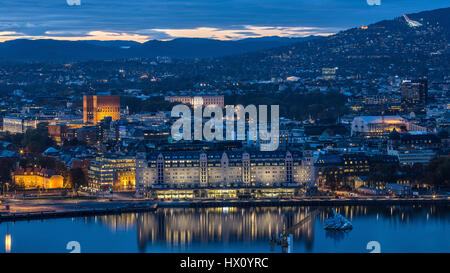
329,73
61,132
107,130
198,100
37,179
18,125
156,136
372,126
413,156
411,149
223,174
338,168
112,170
408,140
96,108
414,95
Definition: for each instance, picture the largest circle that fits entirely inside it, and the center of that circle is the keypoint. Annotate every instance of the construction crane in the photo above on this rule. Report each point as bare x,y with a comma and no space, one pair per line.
283,238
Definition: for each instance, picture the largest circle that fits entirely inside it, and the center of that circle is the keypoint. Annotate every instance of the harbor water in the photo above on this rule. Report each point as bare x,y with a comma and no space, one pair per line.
418,228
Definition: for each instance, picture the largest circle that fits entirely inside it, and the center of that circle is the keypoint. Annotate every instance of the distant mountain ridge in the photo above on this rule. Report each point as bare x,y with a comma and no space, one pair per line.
70,51
386,47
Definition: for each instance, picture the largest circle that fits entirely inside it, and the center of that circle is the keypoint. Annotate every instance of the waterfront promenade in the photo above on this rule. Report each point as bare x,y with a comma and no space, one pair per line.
47,208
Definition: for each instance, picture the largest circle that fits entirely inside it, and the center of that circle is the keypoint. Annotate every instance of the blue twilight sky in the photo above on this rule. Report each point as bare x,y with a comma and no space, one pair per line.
141,20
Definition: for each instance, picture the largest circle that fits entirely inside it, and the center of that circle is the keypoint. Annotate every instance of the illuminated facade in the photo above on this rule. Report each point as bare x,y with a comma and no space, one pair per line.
411,156
414,95
338,169
329,73
115,171
228,174
61,132
198,100
18,125
37,179
96,108
371,126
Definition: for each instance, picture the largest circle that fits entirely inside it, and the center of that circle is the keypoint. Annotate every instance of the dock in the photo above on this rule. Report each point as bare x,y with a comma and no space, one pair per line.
60,212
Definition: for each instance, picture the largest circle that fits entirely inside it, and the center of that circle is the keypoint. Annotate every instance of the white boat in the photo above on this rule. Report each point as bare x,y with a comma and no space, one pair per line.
338,222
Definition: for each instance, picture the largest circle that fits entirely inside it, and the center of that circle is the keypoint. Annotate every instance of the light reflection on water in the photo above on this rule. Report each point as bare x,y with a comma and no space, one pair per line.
397,228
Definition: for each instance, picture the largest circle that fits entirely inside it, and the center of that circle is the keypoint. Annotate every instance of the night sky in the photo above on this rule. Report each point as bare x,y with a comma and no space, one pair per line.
141,20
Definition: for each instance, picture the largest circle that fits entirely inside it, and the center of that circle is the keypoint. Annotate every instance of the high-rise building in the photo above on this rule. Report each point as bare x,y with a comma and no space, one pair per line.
414,95
96,108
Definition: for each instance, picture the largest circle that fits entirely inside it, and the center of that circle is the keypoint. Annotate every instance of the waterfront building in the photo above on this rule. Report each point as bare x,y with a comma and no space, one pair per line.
347,169
398,189
37,178
112,171
96,108
223,173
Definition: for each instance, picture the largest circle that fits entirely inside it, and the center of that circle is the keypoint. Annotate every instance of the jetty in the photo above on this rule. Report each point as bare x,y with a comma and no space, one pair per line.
63,210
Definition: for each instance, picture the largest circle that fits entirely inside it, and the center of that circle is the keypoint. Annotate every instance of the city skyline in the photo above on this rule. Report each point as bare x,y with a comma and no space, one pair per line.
170,147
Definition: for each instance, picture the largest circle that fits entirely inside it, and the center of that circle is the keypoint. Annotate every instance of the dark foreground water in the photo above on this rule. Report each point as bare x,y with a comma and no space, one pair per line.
395,228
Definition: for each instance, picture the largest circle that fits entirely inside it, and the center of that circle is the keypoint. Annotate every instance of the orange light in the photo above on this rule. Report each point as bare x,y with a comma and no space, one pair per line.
8,243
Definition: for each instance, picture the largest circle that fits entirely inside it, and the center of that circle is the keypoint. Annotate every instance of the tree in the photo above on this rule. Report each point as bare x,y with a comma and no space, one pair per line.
37,140
77,178
46,162
6,167
383,173
324,106
62,170
438,172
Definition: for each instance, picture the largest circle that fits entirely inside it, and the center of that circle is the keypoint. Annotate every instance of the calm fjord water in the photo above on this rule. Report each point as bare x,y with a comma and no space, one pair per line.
396,228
